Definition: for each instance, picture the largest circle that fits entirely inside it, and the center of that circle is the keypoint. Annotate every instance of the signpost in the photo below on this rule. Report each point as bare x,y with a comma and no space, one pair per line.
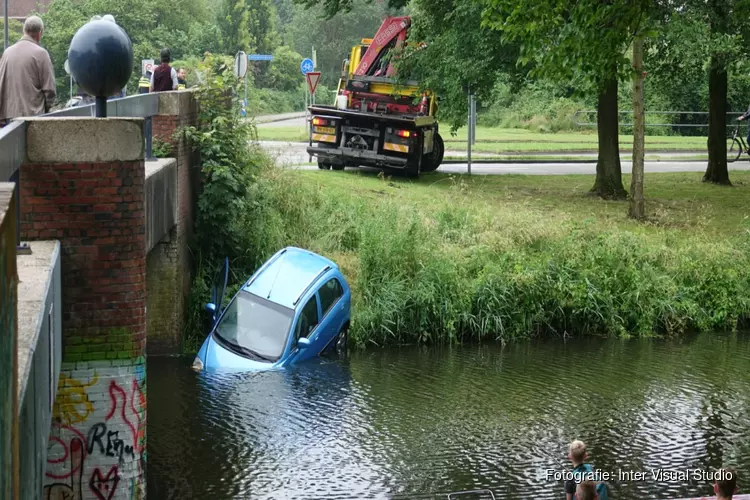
313,77
240,61
66,66
260,57
240,65
306,66
471,132
240,71
147,66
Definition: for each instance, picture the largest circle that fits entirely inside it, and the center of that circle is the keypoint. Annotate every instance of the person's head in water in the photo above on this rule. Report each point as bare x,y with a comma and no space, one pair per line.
586,490
33,27
577,452
726,484
166,55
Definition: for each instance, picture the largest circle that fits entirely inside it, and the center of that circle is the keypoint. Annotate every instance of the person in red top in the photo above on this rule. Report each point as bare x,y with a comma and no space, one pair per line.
164,77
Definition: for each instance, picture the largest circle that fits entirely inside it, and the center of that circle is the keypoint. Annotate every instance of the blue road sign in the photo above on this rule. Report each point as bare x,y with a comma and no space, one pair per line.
259,57
306,66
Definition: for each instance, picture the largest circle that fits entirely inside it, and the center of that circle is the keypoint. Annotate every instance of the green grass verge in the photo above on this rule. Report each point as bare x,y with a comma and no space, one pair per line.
449,258
498,140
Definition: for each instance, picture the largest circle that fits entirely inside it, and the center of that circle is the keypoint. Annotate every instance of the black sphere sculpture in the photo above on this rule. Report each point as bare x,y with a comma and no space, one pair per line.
101,60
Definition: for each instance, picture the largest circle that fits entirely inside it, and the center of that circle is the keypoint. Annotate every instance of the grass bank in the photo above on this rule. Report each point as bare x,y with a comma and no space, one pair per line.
450,258
500,140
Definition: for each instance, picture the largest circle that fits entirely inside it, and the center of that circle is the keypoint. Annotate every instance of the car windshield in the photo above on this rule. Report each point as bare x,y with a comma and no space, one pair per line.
255,326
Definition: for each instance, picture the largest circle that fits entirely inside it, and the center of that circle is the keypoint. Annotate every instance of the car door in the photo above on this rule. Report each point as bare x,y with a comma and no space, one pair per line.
306,326
331,308
218,289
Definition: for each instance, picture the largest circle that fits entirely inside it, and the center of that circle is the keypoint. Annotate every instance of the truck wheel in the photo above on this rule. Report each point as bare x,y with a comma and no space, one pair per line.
414,166
433,160
324,166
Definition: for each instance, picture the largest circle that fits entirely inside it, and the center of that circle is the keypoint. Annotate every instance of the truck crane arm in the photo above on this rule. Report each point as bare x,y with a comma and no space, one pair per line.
392,29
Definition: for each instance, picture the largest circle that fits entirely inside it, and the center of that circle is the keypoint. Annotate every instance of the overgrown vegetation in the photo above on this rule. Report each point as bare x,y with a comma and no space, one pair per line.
447,259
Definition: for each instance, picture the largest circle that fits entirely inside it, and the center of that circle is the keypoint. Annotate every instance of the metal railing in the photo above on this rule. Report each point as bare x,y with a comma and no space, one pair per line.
587,114
13,139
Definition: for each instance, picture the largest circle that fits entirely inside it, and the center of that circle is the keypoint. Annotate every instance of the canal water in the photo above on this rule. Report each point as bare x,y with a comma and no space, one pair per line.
422,422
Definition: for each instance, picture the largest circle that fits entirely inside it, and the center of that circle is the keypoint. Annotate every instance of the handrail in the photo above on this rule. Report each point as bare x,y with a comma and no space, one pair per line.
577,114
13,138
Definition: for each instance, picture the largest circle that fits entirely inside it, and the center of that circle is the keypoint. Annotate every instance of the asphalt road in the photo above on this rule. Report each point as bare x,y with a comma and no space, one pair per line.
285,120
293,155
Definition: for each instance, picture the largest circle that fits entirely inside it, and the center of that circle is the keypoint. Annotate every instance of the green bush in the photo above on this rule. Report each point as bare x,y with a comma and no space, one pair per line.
537,106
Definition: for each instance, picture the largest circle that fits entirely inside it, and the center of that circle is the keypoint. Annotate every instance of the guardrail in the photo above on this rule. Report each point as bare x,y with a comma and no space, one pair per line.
653,113
13,139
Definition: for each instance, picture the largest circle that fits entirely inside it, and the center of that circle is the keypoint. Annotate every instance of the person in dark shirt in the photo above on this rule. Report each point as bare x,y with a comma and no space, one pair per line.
164,77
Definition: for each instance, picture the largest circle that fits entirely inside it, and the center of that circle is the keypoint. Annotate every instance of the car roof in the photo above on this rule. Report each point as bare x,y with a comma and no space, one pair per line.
288,275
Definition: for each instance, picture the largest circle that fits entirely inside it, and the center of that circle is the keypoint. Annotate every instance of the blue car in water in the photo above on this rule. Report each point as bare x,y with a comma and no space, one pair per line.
294,308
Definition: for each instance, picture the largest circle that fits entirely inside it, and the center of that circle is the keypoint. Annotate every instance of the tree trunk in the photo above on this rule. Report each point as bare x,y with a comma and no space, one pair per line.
608,182
717,171
637,210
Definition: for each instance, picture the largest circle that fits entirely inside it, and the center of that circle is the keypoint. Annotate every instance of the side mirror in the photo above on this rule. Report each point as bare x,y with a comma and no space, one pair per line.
211,307
303,343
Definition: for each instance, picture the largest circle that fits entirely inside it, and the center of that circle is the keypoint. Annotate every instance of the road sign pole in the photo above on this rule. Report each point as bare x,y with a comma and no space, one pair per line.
468,145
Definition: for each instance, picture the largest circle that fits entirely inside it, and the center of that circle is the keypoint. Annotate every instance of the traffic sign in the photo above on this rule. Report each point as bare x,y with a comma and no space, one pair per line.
313,77
147,66
306,66
260,57
240,64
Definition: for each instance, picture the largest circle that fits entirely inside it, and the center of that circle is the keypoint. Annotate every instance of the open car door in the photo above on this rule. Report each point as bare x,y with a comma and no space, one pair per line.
218,289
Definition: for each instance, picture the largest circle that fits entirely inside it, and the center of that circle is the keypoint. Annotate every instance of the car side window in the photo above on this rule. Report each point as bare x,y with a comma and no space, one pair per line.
329,294
308,318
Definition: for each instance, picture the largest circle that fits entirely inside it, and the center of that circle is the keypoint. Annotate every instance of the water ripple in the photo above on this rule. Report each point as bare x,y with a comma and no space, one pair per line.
419,422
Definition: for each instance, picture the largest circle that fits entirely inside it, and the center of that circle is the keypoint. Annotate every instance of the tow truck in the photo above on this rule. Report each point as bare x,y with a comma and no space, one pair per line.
376,120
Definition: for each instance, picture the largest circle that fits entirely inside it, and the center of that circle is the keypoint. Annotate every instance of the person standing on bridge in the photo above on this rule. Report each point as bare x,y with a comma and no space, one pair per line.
27,79
181,79
164,77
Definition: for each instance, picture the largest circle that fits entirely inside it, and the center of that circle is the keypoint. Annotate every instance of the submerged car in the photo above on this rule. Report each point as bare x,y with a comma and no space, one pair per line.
294,308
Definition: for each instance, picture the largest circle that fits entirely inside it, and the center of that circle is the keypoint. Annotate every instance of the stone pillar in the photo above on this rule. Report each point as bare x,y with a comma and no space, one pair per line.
176,110
9,473
83,185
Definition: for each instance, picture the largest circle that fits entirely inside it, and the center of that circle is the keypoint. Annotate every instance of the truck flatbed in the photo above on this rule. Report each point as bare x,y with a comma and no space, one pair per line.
401,119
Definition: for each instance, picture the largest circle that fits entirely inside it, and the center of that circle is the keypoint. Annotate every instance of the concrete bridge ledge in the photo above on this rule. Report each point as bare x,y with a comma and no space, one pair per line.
48,139
177,103
161,200
36,273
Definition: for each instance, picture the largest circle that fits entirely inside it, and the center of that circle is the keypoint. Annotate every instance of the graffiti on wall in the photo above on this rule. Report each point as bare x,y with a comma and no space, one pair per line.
97,447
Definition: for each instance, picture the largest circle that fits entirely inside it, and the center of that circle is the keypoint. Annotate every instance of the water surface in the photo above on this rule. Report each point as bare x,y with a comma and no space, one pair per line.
421,422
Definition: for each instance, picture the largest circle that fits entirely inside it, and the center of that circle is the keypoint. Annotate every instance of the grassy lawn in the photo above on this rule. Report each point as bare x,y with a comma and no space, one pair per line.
497,140
674,201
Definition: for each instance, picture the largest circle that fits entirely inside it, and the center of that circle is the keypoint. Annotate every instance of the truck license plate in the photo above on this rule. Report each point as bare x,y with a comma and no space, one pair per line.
325,130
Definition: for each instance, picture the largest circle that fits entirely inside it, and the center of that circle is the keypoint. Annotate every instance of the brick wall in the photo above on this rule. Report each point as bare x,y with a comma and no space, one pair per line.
8,345
172,258
164,319
96,210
